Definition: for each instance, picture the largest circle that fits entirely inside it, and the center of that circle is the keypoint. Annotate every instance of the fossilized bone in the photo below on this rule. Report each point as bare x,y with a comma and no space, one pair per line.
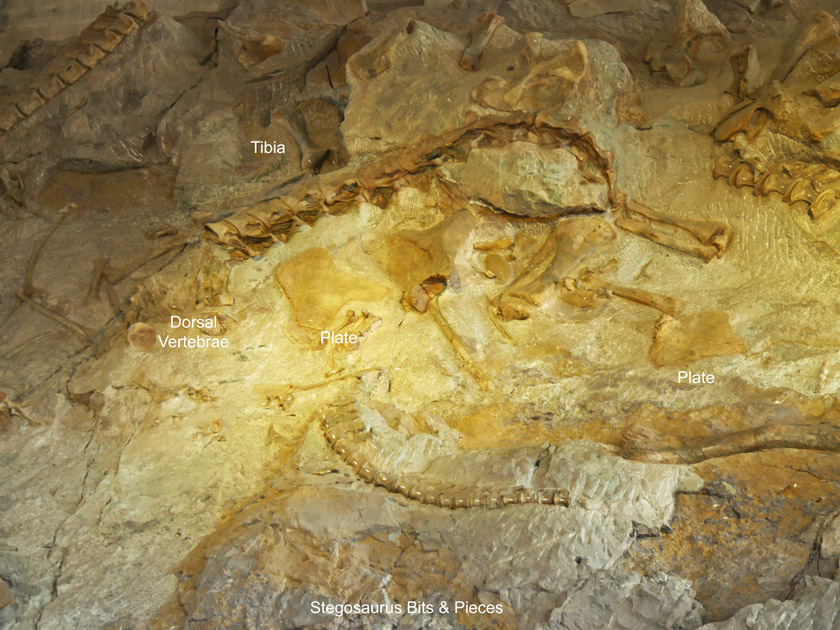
676,55
817,190
554,72
809,65
479,38
311,155
11,183
265,222
746,69
822,29
78,329
645,444
94,43
349,437
707,239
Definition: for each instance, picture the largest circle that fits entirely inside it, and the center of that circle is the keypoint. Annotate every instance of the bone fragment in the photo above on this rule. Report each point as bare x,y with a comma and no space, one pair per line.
707,232
311,155
668,305
458,346
704,252
479,38
500,244
28,287
747,72
95,280
820,28
829,91
77,329
645,444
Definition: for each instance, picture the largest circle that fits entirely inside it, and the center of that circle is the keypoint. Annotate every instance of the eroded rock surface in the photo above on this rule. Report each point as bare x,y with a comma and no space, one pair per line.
454,308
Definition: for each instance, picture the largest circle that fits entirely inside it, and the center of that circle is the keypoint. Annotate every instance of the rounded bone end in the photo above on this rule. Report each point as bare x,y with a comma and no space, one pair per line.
141,336
801,190
742,176
138,9
382,479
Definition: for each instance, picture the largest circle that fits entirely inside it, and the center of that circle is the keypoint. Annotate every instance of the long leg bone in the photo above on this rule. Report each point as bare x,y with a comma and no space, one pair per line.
645,444
479,38
708,239
458,346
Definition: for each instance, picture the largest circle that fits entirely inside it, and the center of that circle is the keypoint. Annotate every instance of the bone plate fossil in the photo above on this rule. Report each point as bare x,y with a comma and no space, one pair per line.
94,43
348,435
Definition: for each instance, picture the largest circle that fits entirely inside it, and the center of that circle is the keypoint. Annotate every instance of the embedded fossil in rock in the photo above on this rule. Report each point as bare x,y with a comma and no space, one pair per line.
815,186
479,37
553,72
696,27
94,43
348,436
645,444
778,115
268,221
706,239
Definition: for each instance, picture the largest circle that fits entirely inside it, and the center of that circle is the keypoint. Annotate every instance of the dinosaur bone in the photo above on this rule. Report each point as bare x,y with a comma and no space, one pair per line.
646,445
266,221
94,43
708,239
479,38
349,437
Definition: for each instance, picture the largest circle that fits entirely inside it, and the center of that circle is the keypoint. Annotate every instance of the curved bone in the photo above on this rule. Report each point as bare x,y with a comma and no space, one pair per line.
98,39
825,203
337,190
742,176
646,445
414,487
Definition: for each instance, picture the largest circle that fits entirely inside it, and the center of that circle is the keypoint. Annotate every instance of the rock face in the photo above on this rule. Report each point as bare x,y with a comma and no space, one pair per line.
816,606
629,600
530,181
104,121
345,314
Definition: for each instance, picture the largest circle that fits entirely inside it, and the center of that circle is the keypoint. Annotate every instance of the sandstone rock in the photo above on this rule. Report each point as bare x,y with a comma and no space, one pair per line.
814,608
592,8
629,601
529,72
528,180
103,122
681,342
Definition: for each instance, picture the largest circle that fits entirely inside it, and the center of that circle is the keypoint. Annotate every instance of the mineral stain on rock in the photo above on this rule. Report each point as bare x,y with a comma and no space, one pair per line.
497,234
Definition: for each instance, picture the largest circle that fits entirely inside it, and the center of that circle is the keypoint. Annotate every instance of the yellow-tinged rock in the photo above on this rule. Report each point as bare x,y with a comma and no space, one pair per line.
318,289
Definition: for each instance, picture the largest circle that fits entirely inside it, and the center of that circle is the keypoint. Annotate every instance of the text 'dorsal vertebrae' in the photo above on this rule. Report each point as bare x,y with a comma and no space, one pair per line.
209,326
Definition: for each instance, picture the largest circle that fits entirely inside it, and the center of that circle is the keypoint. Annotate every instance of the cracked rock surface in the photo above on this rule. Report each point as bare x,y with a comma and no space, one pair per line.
502,345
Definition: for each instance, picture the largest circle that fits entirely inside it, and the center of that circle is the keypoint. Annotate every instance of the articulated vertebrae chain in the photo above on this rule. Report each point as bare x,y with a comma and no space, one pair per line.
93,45
265,222
349,437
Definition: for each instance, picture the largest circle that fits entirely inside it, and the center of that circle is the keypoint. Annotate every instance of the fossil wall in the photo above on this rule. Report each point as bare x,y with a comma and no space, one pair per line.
524,305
